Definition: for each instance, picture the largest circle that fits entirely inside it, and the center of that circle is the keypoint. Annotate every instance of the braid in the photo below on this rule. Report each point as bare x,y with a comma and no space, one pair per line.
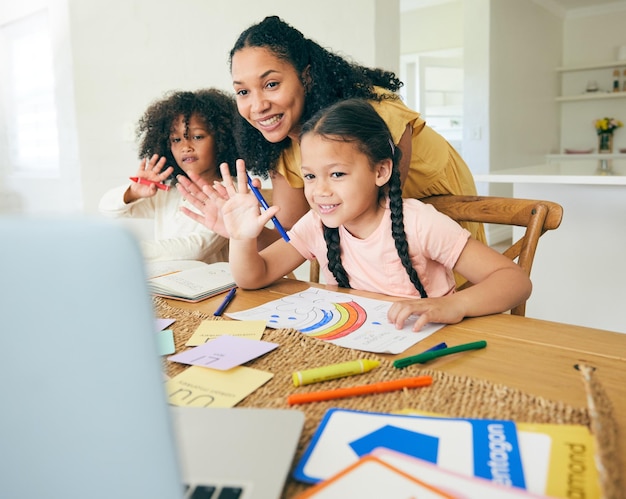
397,225
334,257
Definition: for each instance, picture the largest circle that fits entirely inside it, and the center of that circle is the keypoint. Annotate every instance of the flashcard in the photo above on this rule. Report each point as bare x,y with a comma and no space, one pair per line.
476,447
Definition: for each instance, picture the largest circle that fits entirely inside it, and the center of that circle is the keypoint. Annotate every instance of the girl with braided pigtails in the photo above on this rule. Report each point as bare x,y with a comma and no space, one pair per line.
363,233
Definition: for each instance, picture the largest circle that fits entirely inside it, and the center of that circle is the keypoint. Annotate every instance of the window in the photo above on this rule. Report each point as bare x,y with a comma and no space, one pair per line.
30,125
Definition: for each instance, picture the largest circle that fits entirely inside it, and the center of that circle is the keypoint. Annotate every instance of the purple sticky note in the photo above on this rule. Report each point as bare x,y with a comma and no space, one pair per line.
224,352
161,324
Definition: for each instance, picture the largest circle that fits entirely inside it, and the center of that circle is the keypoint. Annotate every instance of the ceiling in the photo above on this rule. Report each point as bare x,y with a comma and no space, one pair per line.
578,4
566,7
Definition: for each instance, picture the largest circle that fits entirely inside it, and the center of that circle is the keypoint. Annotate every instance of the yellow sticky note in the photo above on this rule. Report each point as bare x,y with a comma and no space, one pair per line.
208,330
203,387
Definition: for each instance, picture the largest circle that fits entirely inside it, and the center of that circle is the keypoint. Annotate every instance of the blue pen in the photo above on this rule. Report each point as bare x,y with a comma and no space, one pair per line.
265,206
440,346
225,303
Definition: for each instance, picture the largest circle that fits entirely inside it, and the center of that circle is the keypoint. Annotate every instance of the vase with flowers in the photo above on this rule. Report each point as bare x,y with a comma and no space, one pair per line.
605,128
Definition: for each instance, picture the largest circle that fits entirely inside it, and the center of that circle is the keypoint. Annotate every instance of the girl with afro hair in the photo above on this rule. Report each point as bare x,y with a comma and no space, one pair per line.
183,133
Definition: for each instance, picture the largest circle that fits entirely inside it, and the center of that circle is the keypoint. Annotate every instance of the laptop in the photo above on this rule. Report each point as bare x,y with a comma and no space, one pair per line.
84,410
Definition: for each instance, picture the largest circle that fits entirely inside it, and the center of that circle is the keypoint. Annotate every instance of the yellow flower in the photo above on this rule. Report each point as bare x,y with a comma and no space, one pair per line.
604,125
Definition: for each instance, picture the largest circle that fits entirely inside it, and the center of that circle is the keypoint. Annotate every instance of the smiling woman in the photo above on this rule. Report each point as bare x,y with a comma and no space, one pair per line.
281,78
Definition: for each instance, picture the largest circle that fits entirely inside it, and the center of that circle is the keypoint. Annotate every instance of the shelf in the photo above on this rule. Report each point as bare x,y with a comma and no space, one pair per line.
561,157
575,113
587,67
591,96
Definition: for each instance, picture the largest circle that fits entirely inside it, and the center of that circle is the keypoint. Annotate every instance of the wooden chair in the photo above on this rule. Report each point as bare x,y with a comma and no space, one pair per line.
314,271
535,215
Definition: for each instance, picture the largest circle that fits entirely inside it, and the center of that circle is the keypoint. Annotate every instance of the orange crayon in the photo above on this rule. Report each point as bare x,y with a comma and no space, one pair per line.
384,386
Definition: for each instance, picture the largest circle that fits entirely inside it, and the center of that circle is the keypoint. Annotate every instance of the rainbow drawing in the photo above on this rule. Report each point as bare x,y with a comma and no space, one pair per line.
349,316
347,321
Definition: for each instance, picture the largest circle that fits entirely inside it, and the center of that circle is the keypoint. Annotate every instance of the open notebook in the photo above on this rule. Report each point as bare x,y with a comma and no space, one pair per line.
84,410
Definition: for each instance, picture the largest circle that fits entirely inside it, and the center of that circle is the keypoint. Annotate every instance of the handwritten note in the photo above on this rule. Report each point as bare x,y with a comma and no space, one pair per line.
202,387
224,352
210,329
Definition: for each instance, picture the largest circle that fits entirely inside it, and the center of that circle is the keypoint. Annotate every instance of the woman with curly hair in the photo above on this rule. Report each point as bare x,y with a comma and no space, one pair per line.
282,78
181,134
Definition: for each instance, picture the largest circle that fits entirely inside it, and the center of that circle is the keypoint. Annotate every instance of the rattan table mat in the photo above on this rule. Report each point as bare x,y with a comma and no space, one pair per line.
452,395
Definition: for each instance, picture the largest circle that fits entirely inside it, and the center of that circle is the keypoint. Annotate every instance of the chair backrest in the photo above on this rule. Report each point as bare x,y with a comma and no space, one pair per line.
536,216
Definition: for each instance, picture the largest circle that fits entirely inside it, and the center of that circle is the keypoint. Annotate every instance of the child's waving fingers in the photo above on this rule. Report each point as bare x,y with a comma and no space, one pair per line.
242,176
184,187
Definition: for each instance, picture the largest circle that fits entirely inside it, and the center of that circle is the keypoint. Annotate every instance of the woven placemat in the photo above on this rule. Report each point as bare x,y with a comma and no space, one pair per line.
452,395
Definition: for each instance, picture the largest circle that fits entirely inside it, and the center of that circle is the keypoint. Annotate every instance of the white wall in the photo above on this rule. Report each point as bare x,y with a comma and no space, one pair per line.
477,88
113,58
435,27
525,49
510,51
126,54
577,130
604,33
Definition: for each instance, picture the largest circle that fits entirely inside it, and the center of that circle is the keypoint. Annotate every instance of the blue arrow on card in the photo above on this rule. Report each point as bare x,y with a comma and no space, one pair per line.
391,437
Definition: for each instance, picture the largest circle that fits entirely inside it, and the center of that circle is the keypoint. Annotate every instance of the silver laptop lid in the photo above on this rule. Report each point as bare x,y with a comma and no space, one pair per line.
83,411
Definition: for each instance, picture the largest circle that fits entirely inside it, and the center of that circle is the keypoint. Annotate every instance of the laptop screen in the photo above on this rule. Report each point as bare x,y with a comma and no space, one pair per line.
84,411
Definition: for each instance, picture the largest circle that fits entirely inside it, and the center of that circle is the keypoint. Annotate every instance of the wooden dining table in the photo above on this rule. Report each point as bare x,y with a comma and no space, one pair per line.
539,357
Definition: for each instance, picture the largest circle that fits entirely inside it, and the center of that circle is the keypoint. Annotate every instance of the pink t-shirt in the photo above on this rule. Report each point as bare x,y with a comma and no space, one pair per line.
435,243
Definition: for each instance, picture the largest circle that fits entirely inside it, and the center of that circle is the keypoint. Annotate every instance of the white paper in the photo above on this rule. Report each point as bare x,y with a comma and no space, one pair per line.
339,318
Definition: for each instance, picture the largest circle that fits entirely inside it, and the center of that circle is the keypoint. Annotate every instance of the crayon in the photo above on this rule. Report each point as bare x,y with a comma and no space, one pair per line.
333,371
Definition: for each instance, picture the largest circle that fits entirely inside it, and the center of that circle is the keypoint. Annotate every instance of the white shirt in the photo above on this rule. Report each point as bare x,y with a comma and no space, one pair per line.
176,236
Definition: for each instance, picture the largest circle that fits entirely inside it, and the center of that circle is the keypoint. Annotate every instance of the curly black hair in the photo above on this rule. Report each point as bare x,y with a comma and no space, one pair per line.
357,122
215,108
333,78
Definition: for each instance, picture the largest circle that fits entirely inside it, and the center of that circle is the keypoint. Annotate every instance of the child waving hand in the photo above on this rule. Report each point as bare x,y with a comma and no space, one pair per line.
184,133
